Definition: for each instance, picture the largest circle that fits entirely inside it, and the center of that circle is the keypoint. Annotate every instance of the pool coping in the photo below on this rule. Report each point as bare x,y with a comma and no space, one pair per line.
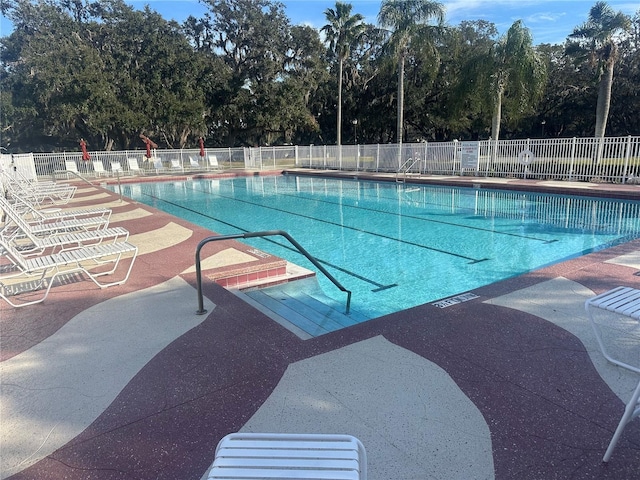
620,191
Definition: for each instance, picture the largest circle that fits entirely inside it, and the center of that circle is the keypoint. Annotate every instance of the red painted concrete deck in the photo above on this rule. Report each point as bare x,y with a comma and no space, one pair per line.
549,412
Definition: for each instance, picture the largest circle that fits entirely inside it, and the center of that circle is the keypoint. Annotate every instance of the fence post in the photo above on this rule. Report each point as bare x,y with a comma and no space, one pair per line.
377,157
455,157
424,158
573,158
627,156
526,167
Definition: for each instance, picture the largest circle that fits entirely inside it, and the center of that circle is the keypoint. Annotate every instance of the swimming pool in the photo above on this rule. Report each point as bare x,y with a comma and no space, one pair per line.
399,245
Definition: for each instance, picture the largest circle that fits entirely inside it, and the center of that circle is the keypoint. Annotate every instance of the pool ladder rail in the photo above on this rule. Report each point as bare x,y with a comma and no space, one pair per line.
405,168
201,310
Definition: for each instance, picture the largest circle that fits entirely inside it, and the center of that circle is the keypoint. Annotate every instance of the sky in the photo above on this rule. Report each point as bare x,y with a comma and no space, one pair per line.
550,21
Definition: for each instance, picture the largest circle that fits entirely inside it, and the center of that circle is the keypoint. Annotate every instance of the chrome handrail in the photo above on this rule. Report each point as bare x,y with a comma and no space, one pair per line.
74,173
404,168
201,310
87,180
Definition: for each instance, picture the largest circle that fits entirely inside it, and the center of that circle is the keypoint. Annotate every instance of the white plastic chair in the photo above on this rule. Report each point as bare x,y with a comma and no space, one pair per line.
157,164
37,192
176,165
36,240
70,167
32,214
98,168
289,455
50,227
623,303
213,163
116,168
194,163
134,167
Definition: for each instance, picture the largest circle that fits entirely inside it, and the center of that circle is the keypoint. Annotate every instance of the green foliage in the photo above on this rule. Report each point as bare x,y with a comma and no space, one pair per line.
506,73
343,32
594,43
407,22
243,75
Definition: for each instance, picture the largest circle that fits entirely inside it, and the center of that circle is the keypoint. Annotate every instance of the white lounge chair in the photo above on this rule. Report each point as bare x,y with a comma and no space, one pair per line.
193,163
213,163
18,176
158,165
283,455
134,168
176,165
36,192
29,244
51,226
116,168
31,214
42,195
98,168
24,275
622,305
70,167
20,233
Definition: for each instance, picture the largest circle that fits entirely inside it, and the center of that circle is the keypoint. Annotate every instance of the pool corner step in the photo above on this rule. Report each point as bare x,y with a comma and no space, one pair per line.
304,313
270,274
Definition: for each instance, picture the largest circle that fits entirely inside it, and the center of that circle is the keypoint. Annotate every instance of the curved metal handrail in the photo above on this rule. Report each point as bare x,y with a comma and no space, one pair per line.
201,310
74,173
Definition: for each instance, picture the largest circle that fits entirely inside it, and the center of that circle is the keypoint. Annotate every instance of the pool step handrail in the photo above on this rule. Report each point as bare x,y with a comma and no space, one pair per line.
401,173
201,310
76,174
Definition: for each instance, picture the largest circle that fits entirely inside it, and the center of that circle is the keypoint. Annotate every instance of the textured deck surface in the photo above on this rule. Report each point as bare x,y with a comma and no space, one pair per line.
129,383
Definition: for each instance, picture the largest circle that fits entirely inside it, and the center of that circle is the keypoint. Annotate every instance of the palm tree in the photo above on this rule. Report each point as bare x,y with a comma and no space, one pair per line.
509,71
595,43
514,65
342,31
406,21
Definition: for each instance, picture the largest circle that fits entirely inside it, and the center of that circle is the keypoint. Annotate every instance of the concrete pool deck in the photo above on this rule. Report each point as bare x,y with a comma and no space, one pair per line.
129,383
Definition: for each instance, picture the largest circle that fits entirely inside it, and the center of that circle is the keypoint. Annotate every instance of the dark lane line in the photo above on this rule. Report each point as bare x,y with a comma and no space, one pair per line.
414,244
415,217
379,286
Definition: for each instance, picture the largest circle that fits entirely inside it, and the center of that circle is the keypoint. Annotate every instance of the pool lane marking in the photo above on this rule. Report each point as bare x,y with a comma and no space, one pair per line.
415,217
414,244
379,286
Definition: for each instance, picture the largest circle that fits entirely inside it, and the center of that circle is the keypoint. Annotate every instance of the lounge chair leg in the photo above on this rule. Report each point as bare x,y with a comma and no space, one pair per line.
631,411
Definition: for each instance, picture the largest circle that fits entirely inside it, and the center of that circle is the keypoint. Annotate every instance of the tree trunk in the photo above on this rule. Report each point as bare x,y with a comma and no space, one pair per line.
497,115
604,100
339,125
400,129
495,125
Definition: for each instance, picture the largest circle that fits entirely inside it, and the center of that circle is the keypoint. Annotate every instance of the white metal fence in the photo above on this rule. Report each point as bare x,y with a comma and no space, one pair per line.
612,159
615,159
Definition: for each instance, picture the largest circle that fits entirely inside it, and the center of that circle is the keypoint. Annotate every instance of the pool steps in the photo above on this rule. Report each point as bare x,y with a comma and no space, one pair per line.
302,307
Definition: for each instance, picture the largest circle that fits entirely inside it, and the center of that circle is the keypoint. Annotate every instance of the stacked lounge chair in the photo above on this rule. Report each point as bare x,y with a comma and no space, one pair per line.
41,271
31,241
38,246
55,225
38,193
30,213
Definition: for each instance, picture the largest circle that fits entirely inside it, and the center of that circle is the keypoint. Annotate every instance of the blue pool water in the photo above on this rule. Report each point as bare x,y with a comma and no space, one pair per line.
399,245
